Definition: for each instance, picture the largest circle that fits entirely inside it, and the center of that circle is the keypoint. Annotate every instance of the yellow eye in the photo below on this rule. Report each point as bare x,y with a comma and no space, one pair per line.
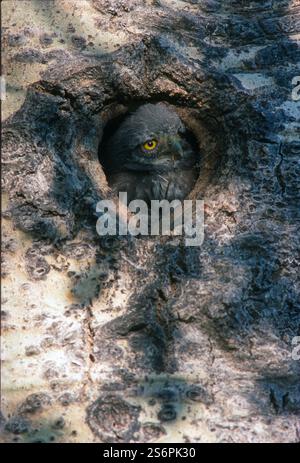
150,145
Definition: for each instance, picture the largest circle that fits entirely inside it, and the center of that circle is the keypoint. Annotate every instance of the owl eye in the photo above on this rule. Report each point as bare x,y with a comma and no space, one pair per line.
150,145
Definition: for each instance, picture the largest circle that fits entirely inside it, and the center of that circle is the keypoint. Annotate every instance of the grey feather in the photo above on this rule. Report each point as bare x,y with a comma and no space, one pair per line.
166,173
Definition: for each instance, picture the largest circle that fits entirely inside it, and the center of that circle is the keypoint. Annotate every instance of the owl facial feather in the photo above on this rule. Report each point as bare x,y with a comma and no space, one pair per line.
150,122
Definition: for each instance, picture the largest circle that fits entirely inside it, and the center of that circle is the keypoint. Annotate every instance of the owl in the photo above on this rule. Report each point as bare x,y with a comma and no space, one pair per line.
150,156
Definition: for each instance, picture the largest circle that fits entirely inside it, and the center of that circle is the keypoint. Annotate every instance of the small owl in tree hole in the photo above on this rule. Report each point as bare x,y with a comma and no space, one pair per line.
150,156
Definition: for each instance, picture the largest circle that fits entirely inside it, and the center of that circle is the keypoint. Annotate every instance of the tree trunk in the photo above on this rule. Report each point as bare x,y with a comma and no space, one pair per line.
127,339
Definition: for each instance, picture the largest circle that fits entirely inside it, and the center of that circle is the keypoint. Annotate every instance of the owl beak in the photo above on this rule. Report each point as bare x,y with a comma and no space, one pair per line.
177,152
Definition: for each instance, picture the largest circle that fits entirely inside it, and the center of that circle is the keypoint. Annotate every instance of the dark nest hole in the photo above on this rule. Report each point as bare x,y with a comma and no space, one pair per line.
72,142
204,133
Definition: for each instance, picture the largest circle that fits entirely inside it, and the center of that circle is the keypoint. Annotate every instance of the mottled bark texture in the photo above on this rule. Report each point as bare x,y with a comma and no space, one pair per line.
135,339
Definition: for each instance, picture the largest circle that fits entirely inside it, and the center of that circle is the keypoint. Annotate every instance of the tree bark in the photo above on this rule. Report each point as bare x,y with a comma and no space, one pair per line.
145,339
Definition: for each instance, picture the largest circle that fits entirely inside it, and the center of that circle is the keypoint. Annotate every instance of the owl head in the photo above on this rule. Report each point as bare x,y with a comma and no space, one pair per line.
150,139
